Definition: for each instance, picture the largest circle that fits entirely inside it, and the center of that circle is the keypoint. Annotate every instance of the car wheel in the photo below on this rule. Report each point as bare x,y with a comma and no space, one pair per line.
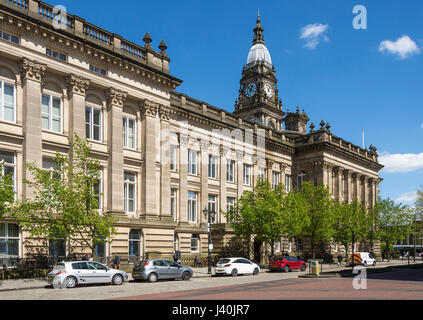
365,263
256,271
70,282
234,272
152,277
303,267
286,268
186,275
117,279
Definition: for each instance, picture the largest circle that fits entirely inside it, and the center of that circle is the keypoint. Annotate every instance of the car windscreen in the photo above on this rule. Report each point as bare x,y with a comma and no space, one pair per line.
223,261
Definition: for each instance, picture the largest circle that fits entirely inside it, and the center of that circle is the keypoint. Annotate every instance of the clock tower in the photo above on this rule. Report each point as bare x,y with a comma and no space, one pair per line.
258,99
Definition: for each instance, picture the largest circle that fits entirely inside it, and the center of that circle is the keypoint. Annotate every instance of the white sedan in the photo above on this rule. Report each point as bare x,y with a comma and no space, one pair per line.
236,266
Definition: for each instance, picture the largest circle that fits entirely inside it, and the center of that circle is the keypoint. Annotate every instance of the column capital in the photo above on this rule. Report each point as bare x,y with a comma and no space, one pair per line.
164,113
76,84
115,97
204,146
239,155
31,69
269,163
149,108
224,150
183,140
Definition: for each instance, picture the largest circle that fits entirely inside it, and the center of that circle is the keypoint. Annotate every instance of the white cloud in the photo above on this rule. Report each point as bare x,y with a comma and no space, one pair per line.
398,162
403,47
421,126
407,197
314,34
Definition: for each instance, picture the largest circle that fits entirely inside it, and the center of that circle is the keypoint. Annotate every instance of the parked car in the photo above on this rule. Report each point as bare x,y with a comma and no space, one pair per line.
74,273
153,270
236,266
363,258
287,264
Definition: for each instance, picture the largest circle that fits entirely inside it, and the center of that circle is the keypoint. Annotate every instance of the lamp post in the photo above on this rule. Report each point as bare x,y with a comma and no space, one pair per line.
209,216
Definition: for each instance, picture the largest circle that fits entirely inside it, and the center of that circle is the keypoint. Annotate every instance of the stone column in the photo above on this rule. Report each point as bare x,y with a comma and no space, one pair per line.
366,191
149,155
76,89
240,173
270,171
339,183
183,178
358,187
115,101
348,188
204,148
165,163
330,179
32,73
223,196
282,174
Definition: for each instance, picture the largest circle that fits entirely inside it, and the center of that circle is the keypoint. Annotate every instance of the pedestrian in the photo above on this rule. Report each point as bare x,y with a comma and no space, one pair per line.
116,261
383,256
339,259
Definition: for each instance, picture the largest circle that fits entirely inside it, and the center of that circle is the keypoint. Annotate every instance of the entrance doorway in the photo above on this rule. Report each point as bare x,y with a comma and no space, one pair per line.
257,251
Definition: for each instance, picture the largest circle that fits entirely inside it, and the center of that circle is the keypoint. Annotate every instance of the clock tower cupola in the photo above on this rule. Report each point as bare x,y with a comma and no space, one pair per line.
258,94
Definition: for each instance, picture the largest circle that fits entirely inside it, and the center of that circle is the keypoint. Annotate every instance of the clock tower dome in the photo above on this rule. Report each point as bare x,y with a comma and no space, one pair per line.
258,99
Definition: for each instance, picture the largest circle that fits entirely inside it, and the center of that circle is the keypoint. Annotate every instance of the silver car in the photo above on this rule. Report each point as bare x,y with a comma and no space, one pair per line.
153,270
71,274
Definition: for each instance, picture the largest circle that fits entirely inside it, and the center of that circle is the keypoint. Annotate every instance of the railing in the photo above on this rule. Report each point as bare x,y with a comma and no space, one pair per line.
61,18
97,34
18,3
133,49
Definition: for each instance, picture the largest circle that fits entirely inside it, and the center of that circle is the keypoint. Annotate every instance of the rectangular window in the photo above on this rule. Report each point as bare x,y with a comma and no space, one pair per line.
8,159
212,206
212,167
128,133
51,113
288,183
56,55
230,202
98,70
247,175
93,123
173,203
275,179
230,170
7,101
192,206
192,162
8,37
9,240
261,173
98,185
195,243
129,192
172,156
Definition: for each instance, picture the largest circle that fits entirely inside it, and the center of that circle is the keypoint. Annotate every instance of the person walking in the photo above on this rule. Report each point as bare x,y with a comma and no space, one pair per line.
339,259
116,261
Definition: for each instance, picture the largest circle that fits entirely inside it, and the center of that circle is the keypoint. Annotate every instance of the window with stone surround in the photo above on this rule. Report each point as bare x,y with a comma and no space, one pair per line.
56,55
129,192
275,179
173,203
129,134
93,123
9,240
192,162
230,170
9,37
195,243
173,158
51,113
7,101
98,70
287,183
212,206
9,165
247,175
192,206
212,166
261,173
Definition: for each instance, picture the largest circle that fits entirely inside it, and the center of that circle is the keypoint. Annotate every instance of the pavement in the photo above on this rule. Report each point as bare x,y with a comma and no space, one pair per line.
38,283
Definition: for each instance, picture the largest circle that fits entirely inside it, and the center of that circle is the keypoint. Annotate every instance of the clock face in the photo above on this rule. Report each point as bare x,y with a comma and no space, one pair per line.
268,89
250,90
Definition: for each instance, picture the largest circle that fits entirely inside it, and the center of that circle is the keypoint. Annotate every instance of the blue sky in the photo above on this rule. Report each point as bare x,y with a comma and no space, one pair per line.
358,80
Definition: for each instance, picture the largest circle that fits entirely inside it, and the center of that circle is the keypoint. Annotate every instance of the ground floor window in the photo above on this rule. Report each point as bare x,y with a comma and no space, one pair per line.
298,245
9,240
195,243
57,249
277,247
134,244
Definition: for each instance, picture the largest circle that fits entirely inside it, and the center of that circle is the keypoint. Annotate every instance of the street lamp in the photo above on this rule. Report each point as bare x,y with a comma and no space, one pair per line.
209,216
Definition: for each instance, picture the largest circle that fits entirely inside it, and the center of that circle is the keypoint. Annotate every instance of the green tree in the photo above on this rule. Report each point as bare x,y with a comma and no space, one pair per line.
319,207
65,202
351,224
392,223
7,192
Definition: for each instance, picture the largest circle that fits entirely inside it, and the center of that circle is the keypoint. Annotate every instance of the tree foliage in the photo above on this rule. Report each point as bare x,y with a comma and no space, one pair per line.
7,192
65,202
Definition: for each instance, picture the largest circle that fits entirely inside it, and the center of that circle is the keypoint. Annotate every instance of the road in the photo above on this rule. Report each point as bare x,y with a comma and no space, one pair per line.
403,284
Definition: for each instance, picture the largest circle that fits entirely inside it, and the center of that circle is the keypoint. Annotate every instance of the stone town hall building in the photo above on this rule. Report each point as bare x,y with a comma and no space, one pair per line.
164,155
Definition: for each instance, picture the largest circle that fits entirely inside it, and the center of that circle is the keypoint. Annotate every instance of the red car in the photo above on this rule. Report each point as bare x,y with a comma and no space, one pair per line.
287,264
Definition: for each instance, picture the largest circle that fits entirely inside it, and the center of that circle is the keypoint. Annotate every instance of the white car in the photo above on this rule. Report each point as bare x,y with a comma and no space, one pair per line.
236,266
